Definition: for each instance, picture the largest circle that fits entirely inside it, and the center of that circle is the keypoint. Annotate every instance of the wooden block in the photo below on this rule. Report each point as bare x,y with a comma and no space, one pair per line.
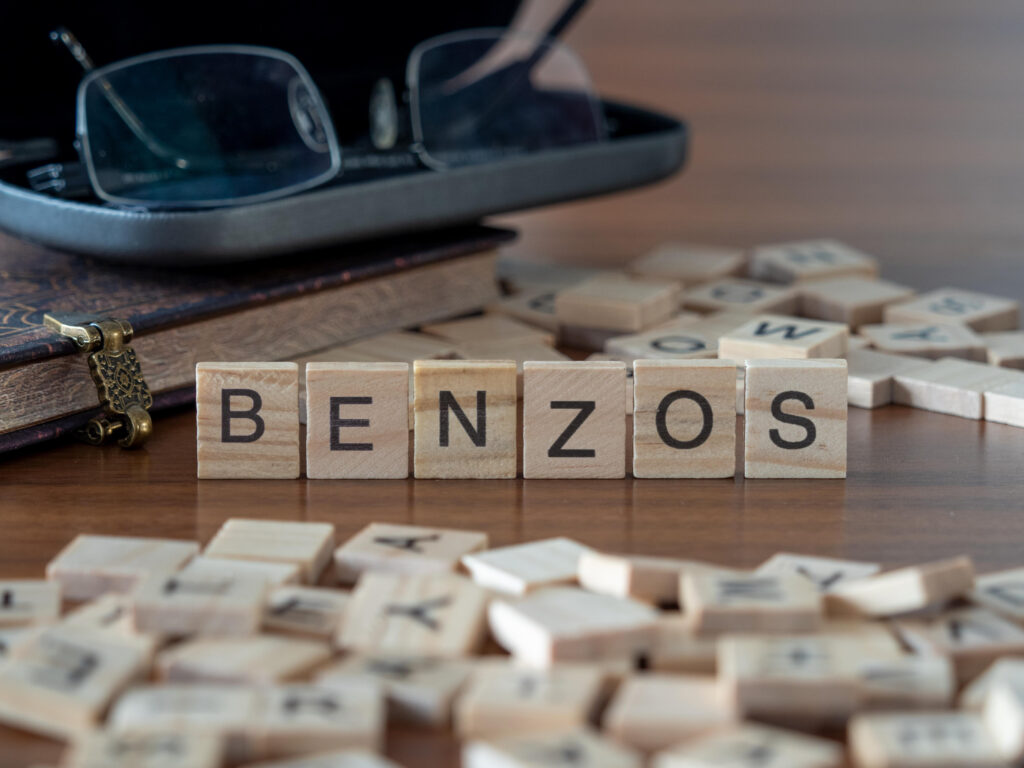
738,602
522,568
870,376
857,341
654,712
1003,716
855,301
272,574
951,386
1002,592
404,346
974,694
408,549
357,421
677,647
306,545
922,740
980,311
256,659
874,639
906,682
419,689
823,572
928,340
247,420
629,377
972,637
1005,348
311,611
28,601
569,624
573,424
684,337
689,264
696,437
795,419
489,328
111,615
100,749
907,589
199,604
435,614
650,579
501,699
299,719
535,305
807,260
805,681
777,336
14,639
92,565
581,747
465,417
345,758
60,683
615,302
749,296
1005,404
753,746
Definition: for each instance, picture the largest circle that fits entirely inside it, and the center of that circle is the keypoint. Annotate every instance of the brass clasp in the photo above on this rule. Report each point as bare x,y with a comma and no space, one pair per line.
123,393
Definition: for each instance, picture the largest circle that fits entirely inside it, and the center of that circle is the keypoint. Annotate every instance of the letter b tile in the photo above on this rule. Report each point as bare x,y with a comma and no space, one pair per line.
796,418
247,420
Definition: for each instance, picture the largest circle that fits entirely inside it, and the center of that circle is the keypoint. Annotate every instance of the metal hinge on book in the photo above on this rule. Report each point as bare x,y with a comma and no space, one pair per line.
124,395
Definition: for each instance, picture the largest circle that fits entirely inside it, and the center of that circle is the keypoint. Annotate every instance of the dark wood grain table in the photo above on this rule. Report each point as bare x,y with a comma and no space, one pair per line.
897,126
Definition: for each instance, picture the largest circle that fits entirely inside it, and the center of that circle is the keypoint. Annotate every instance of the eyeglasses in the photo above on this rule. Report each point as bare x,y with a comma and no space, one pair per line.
219,126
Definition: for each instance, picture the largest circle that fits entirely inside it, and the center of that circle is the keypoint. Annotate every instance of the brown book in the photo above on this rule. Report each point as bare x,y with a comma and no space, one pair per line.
270,310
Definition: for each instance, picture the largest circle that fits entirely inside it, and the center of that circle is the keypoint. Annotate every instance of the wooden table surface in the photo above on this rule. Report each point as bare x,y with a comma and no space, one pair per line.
895,125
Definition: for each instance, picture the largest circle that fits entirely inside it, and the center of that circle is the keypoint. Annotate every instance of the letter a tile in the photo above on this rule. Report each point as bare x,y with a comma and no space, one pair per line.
465,418
795,419
247,420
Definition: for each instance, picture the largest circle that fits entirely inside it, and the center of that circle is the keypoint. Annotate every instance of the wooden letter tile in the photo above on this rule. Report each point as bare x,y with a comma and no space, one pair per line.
684,418
720,602
256,659
247,420
550,750
489,328
272,574
689,263
651,579
615,302
753,746
776,336
307,545
501,699
186,604
975,694
313,611
534,305
654,712
438,614
521,568
92,565
795,419
750,296
824,572
980,311
1002,592
951,386
907,589
870,376
28,601
1005,348
906,682
573,424
1003,713
922,740
678,648
928,340
111,615
569,624
465,414
855,301
101,749
679,339
807,260
409,549
357,421
1005,404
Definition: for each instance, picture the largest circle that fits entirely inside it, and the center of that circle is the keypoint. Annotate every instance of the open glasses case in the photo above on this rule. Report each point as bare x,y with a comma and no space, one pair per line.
347,49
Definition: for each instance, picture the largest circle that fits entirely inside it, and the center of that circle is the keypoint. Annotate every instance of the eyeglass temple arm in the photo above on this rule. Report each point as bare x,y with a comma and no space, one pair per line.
66,37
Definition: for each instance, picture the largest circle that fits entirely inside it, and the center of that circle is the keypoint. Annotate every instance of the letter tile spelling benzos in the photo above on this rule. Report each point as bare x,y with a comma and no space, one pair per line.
652,712
311,611
91,566
795,419
355,425
193,603
689,264
616,302
855,301
419,689
60,683
28,601
439,614
409,549
573,424
928,340
979,311
684,418
922,740
907,589
501,699
739,602
465,419
100,749
807,260
777,336
307,545
569,624
255,659
522,568
749,296
247,420
753,746
551,750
